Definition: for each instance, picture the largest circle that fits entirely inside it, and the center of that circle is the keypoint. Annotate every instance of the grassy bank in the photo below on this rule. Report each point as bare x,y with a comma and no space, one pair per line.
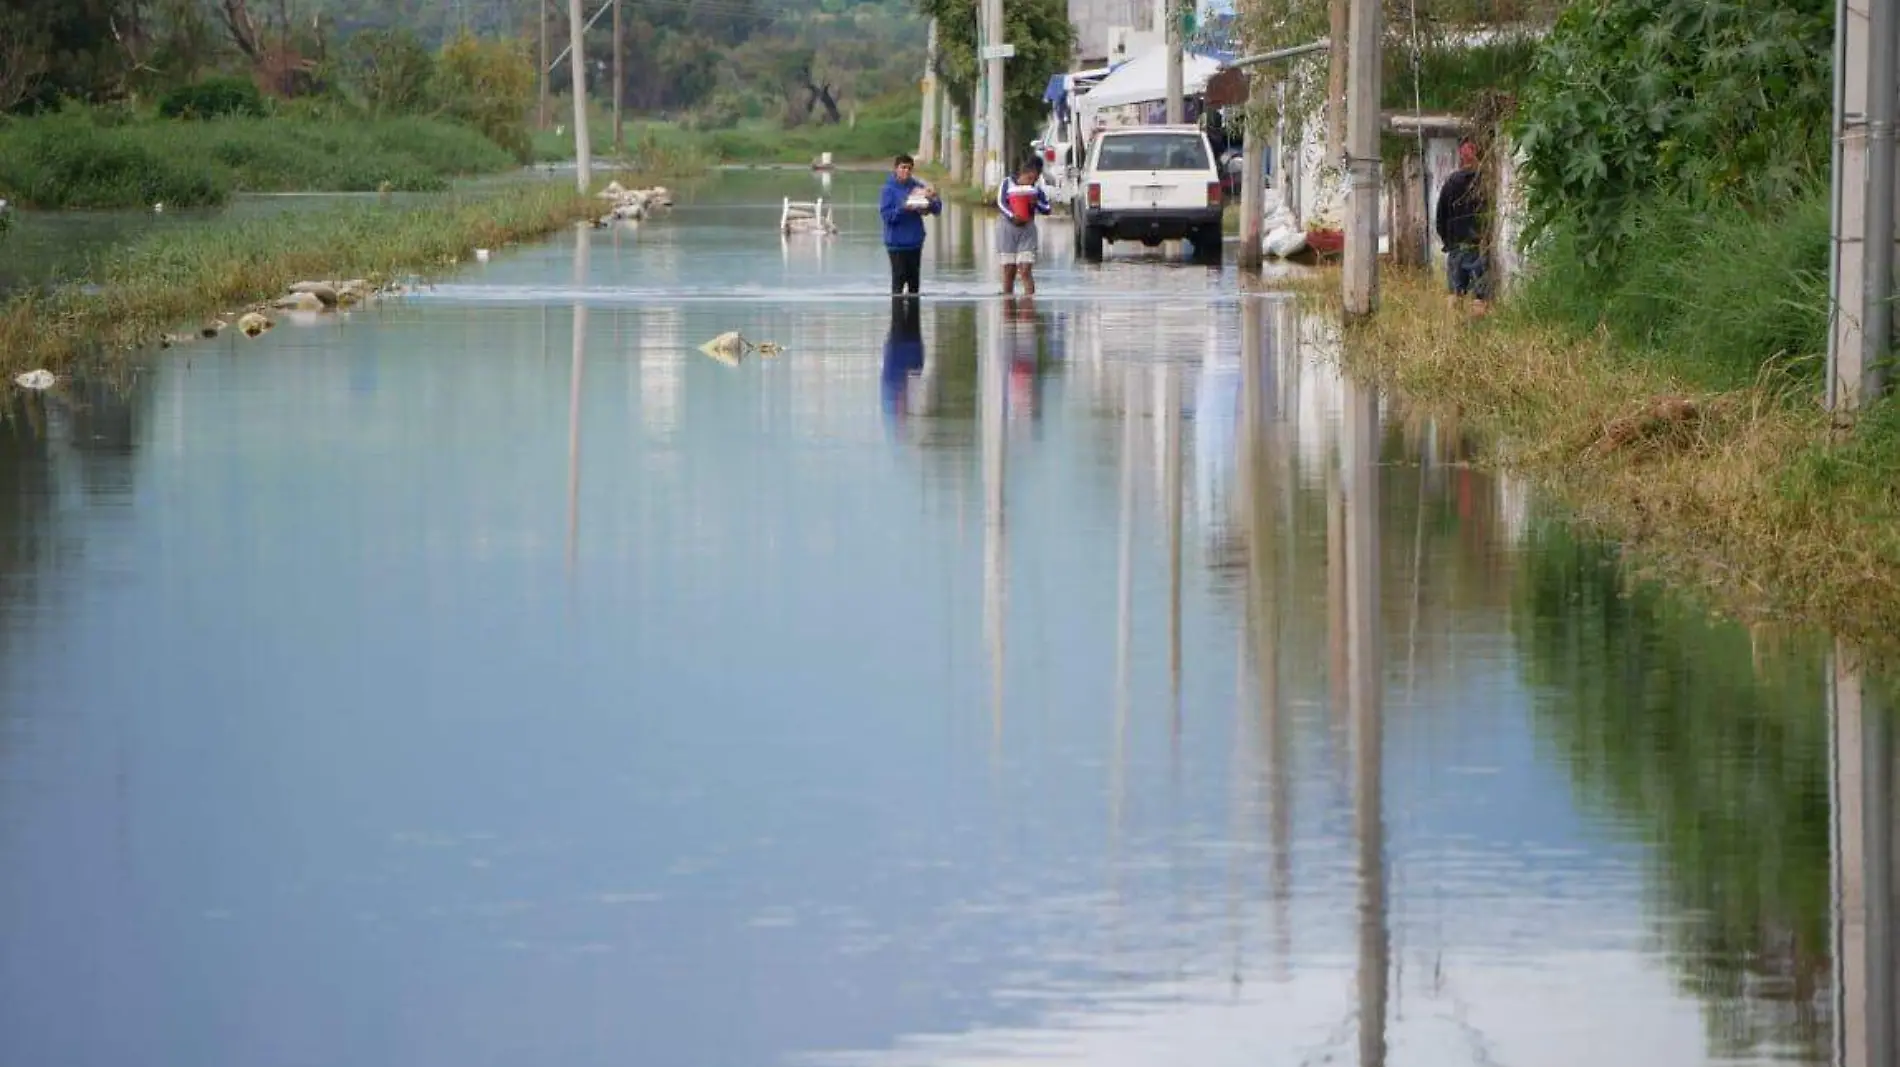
103,159
1717,465
182,278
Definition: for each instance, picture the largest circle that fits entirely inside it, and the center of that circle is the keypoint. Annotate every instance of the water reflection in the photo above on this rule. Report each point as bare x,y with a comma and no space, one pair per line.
1164,697
903,359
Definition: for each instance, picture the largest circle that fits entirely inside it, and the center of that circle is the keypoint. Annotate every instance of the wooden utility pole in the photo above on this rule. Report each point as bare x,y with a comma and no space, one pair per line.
1361,275
577,66
541,109
620,83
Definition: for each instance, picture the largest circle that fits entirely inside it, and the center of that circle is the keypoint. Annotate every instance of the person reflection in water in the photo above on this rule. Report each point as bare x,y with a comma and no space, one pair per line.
1022,341
903,358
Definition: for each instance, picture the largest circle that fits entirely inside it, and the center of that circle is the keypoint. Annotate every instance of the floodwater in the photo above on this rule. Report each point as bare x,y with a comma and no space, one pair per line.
493,678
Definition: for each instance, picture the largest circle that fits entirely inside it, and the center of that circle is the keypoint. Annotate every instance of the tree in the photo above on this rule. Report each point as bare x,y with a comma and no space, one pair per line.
1044,40
490,85
391,71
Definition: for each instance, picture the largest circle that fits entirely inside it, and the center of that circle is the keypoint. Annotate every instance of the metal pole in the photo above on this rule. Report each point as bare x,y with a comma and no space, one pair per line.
996,141
1177,108
541,111
583,148
1883,91
620,83
1361,275
1278,54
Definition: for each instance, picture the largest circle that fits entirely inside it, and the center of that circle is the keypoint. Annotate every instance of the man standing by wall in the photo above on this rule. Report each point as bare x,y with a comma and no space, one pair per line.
1463,217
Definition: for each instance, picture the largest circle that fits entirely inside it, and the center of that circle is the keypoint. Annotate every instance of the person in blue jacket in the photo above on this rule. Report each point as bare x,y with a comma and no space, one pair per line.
905,201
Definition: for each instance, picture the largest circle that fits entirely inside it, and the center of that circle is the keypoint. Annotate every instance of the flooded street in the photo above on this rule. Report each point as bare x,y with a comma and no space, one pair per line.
493,678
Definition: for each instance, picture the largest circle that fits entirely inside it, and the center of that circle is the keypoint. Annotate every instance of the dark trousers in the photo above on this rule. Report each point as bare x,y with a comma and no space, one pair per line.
906,269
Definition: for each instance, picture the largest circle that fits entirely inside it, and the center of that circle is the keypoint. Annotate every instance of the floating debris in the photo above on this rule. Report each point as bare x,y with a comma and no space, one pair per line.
36,379
769,348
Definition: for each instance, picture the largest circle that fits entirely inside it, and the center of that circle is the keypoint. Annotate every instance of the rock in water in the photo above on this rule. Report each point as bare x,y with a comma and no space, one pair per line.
726,348
300,302
324,291
36,379
253,324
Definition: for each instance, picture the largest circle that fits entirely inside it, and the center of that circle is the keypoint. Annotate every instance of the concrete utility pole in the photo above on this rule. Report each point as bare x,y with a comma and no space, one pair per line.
577,66
541,109
1336,31
1862,271
957,173
995,139
976,127
1171,27
620,83
1362,160
927,127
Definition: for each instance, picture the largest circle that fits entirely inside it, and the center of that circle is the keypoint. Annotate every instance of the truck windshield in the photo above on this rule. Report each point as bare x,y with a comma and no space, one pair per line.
1152,151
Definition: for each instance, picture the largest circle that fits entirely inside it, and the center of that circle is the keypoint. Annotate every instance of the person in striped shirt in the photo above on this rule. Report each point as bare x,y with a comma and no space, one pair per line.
1021,198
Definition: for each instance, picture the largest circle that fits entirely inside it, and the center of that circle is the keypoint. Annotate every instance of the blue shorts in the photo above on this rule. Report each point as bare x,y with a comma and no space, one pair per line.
1464,272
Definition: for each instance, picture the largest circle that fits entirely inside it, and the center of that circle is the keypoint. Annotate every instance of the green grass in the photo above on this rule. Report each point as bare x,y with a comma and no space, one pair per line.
76,159
1717,294
183,276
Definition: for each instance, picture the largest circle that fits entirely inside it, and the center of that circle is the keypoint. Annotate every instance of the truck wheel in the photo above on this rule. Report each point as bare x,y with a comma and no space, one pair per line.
1092,243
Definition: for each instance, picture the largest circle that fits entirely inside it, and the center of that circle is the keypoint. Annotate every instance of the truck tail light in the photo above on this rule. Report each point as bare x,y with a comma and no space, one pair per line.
1213,194
1049,155
1095,194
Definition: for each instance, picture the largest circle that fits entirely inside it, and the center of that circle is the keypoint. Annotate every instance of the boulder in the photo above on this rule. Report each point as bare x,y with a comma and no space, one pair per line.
254,323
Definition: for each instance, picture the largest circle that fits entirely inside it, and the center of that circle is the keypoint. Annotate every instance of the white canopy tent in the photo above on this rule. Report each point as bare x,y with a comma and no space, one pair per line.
1144,79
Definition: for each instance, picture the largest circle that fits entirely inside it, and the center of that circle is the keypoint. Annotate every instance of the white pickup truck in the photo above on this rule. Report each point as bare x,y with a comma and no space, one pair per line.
1149,184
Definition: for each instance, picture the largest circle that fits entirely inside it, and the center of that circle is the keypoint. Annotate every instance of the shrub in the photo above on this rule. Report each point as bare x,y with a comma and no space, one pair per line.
213,98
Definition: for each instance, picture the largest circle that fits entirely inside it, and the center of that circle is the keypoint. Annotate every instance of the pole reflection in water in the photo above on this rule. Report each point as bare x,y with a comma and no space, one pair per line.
992,376
1124,635
1360,482
1265,476
1168,428
575,369
1861,777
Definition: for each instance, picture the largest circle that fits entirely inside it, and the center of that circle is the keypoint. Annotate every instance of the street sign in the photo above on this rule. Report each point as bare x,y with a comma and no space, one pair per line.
999,51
